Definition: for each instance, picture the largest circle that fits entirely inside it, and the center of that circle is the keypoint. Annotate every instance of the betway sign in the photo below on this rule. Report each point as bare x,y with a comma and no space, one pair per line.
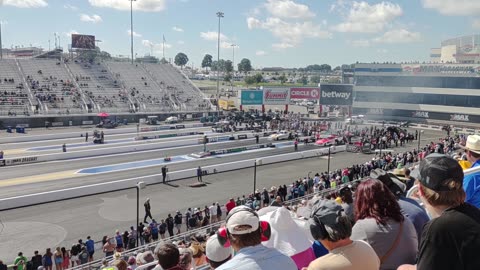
336,94
276,96
305,93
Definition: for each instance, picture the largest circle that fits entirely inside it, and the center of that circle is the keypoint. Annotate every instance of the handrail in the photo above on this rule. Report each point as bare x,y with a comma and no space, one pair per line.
72,78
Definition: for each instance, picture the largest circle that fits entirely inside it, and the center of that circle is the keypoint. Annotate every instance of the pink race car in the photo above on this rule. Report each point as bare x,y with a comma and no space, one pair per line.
330,140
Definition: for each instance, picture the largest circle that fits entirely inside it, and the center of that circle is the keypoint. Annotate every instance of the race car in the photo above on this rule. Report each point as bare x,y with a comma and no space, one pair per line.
330,140
283,135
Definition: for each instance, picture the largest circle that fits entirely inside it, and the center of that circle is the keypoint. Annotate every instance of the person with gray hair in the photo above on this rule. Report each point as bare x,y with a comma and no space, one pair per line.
329,224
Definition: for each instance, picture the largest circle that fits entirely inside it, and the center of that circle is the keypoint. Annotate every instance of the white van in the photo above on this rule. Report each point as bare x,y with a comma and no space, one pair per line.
171,120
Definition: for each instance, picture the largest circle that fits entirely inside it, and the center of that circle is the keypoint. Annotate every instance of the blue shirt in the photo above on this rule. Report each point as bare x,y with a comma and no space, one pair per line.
90,245
259,257
471,185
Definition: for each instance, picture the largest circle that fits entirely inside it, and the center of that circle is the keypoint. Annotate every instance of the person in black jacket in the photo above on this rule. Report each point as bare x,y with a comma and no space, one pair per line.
170,224
36,260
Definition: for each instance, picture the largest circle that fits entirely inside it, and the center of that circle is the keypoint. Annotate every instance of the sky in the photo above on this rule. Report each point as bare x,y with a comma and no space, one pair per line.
280,33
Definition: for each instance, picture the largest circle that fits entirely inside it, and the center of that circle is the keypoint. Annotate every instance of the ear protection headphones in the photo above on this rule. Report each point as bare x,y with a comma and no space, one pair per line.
223,233
317,229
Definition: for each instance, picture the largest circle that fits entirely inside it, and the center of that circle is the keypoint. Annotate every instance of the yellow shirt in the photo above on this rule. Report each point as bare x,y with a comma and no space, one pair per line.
359,255
465,164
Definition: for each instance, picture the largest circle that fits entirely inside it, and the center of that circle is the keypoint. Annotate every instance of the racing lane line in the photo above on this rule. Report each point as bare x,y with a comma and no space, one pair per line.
38,178
123,154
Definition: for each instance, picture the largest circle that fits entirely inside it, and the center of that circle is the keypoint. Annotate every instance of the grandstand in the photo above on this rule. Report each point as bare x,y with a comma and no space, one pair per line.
14,93
52,87
101,88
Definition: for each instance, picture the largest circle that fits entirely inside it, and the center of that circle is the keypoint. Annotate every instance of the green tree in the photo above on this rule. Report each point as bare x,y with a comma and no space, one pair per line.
315,79
181,59
228,66
163,61
282,78
228,77
218,65
258,78
303,80
207,61
245,65
249,80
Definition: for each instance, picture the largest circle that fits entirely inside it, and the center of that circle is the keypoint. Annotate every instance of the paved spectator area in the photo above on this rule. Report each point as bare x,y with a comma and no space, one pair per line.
63,223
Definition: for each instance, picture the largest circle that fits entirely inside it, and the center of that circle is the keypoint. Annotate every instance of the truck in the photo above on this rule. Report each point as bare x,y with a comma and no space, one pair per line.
227,105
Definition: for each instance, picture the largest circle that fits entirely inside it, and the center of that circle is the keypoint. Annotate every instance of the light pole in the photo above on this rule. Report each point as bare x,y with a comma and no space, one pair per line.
131,27
419,139
140,185
256,162
1,47
233,58
220,15
328,162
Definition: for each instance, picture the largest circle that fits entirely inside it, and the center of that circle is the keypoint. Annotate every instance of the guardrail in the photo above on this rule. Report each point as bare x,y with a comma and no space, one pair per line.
70,193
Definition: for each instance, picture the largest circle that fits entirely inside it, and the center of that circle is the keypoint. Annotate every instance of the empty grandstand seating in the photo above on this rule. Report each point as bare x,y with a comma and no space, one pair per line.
141,87
100,87
178,86
14,95
50,82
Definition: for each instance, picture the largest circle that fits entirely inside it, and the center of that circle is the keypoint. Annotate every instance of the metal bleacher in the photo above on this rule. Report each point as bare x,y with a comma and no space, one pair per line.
14,94
141,87
179,87
50,82
100,87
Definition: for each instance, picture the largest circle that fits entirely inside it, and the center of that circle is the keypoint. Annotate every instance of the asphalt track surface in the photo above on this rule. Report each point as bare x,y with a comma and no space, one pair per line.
63,223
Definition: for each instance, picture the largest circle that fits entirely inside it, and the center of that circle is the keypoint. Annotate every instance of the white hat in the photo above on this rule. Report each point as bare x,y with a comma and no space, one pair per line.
473,144
239,218
216,252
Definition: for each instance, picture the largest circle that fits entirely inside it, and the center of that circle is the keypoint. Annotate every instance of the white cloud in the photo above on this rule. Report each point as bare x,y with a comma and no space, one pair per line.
260,53
454,7
156,47
226,45
476,24
70,7
399,36
24,3
143,5
365,18
360,43
135,34
93,18
212,36
177,29
70,33
288,9
181,42
290,34
384,51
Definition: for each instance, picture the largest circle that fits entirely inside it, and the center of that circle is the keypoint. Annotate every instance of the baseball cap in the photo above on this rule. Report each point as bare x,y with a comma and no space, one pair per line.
439,172
242,216
327,211
394,184
215,251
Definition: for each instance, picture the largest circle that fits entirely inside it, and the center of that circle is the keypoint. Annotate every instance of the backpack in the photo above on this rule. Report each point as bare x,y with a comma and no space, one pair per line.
192,222
74,250
178,219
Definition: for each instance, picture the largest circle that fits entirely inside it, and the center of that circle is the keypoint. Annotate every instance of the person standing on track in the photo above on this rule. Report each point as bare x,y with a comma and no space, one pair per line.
164,173
147,210
86,136
199,174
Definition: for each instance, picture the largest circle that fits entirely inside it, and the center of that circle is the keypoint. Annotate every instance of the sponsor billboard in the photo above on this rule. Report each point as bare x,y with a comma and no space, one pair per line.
277,96
251,97
336,94
83,42
305,93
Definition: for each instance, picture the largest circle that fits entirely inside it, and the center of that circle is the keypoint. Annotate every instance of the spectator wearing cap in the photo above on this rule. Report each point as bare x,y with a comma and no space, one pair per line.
332,228
216,253
244,234
168,257
380,223
471,183
409,207
197,247
451,240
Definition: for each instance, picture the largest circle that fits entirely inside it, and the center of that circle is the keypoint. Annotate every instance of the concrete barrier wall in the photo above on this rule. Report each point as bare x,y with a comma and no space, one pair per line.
69,193
68,135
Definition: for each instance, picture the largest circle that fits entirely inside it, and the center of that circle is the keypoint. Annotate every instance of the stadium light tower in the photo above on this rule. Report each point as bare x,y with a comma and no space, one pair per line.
1,46
233,58
131,27
220,15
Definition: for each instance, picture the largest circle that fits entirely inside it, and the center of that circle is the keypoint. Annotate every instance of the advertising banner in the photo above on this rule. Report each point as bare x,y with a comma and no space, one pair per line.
276,96
305,93
336,94
251,97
